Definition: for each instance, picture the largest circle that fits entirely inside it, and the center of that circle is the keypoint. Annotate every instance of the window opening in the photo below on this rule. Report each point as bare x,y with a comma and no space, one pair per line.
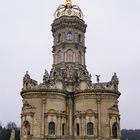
69,56
77,129
114,131
90,128
63,129
59,37
60,57
51,128
69,36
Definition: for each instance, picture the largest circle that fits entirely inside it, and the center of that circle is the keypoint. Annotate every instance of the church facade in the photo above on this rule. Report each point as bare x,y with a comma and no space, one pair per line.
67,105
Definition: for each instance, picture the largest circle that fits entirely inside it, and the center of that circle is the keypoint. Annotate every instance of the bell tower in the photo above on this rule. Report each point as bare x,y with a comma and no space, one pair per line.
69,35
69,48
69,40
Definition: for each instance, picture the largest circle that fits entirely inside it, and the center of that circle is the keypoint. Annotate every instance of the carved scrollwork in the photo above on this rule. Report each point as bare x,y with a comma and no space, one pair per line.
27,109
69,74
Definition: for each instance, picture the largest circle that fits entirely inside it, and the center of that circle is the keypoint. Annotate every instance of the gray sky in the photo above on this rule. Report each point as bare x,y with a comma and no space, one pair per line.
112,41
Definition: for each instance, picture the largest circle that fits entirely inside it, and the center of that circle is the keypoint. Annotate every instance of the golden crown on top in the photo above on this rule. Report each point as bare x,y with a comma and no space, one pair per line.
68,10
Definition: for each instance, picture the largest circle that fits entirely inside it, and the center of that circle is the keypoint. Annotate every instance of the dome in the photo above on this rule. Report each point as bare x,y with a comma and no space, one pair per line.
68,10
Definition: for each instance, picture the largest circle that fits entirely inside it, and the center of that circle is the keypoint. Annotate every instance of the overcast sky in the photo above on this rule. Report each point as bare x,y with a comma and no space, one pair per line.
112,41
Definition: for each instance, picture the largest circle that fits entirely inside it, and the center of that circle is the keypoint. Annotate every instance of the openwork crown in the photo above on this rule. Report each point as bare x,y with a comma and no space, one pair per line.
68,10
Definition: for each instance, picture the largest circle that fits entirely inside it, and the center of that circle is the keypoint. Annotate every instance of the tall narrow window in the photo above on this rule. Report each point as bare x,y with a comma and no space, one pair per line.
79,57
69,36
63,129
59,37
59,57
114,130
79,38
51,128
90,128
69,56
77,129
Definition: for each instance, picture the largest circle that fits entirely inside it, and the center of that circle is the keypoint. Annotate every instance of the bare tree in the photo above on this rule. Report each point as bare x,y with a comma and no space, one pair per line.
11,125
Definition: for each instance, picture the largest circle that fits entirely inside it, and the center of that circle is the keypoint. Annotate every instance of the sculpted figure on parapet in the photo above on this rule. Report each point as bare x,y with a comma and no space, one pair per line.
111,85
28,83
46,77
115,81
98,78
69,73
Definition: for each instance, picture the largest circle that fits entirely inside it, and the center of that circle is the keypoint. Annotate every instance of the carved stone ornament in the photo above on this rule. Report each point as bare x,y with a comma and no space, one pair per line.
27,108
28,83
114,107
70,74
46,77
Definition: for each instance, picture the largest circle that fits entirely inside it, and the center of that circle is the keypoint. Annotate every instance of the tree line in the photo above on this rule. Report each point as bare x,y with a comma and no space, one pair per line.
130,134
5,132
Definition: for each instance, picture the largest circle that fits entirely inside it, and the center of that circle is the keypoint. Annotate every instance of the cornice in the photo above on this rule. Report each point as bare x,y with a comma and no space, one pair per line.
64,45
98,91
42,92
70,22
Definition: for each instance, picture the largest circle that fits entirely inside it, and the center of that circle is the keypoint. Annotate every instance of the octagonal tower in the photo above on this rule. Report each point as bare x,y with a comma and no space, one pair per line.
67,105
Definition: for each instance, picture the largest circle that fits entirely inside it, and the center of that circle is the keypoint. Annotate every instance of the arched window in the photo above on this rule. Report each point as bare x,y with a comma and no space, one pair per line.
77,129
63,129
79,57
26,128
69,36
90,128
79,38
59,57
69,56
51,128
114,130
59,37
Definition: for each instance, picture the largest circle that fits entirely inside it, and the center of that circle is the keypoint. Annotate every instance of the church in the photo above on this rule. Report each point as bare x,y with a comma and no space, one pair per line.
67,105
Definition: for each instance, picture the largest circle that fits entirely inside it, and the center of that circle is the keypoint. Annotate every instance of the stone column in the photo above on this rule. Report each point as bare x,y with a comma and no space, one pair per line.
60,127
76,37
43,117
32,124
65,58
57,125
74,57
80,131
70,116
46,125
63,37
70,110
85,126
84,60
99,116
83,122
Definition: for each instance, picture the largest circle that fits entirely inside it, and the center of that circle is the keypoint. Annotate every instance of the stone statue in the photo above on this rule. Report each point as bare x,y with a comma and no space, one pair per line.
28,82
98,78
46,77
26,77
115,81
